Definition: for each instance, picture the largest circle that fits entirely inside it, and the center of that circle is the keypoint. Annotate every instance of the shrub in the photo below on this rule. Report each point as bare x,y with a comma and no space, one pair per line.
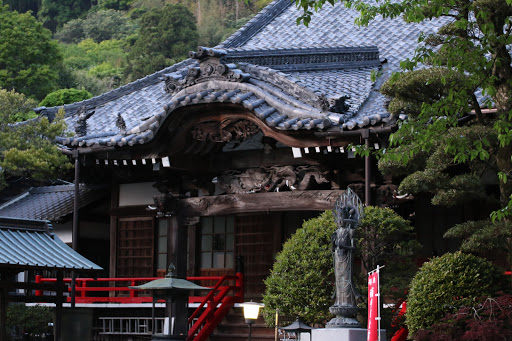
302,279
23,320
447,283
65,96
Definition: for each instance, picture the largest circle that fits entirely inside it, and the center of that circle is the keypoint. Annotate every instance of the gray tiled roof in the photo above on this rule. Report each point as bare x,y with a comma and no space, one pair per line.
48,203
29,244
291,69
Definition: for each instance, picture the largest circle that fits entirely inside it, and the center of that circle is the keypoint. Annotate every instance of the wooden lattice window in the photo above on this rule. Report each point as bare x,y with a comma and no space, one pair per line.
217,242
135,247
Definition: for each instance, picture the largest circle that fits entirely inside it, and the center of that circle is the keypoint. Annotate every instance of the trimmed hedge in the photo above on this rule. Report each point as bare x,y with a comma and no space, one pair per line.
446,283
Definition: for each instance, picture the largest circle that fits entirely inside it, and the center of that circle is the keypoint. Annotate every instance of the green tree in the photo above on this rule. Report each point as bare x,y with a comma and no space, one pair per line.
301,282
65,96
27,149
119,5
95,67
23,6
55,13
166,36
28,55
98,26
448,142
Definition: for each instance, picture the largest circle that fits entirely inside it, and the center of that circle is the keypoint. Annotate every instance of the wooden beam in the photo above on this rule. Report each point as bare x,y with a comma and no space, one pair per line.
319,200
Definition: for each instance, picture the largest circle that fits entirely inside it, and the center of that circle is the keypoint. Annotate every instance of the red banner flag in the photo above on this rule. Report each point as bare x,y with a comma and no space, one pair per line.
373,306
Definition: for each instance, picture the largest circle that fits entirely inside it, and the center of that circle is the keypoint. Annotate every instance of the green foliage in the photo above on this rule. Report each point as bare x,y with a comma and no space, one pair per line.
446,283
166,36
301,282
411,89
55,13
492,240
22,6
385,238
302,278
27,149
25,320
15,107
28,56
452,168
95,67
98,26
64,96
120,5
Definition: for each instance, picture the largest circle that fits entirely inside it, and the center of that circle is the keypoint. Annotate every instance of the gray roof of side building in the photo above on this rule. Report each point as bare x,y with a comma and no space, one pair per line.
30,244
348,56
48,202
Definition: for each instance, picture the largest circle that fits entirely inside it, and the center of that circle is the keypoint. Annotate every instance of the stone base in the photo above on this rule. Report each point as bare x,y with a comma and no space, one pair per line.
343,322
339,334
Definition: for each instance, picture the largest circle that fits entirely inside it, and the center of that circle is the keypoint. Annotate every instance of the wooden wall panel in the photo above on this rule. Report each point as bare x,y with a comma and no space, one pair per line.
256,241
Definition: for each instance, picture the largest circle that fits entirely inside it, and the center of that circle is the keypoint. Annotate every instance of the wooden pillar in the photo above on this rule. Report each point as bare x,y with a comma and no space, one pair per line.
177,253
3,313
114,204
58,306
367,169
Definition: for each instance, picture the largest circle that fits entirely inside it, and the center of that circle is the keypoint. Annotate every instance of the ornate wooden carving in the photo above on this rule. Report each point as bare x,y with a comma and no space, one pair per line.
222,132
259,202
272,179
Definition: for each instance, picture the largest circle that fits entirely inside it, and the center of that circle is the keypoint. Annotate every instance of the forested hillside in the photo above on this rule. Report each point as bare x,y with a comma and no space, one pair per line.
98,45
54,52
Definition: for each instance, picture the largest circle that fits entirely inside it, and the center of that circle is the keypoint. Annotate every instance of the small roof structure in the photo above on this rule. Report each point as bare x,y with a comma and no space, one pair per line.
297,327
30,244
49,202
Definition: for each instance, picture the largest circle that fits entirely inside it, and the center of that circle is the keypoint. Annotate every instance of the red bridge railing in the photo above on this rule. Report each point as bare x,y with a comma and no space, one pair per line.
212,308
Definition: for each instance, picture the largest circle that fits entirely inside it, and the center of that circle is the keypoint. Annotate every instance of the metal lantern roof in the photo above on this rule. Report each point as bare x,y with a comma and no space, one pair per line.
297,327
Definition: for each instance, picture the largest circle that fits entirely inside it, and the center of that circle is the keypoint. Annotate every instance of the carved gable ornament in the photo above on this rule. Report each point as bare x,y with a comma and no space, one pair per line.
211,67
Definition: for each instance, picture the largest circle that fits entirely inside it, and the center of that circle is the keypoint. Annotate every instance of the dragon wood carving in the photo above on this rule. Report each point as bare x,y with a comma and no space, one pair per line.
272,179
224,131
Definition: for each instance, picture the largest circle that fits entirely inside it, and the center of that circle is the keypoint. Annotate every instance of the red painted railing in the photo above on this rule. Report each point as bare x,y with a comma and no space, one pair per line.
211,310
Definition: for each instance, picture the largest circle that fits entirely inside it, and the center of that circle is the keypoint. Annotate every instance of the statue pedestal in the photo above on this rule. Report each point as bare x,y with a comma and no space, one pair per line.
338,334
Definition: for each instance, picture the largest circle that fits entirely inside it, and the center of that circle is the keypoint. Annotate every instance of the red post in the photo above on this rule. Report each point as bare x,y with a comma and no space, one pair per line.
133,293
38,281
239,282
83,285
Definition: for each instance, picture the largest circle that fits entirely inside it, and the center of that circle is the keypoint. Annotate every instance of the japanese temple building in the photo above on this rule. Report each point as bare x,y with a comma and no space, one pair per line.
226,153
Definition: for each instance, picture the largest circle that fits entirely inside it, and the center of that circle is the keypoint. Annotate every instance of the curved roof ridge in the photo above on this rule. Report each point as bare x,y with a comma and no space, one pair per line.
253,26
288,83
115,93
